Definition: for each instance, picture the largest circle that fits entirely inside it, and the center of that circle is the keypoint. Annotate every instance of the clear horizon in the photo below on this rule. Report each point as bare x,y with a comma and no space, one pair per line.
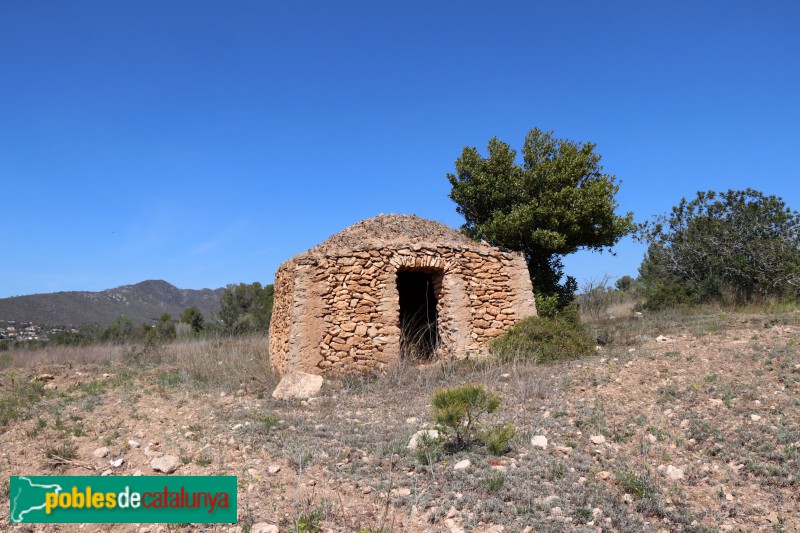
205,143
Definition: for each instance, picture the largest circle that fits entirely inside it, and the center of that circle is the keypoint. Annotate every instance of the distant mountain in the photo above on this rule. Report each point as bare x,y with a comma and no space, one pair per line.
143,302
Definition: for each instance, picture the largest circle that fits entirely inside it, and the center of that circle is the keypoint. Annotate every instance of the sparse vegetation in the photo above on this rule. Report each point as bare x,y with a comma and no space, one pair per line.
687,402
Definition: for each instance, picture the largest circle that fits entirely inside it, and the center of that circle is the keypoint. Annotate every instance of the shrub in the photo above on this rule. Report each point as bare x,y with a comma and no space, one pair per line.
544,339
456,410
497,438
428,450
735,247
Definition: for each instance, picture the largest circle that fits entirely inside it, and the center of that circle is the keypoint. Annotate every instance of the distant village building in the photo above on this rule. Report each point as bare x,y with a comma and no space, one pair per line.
393,286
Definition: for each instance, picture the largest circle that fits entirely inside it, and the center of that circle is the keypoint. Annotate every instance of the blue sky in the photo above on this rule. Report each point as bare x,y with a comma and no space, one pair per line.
206,142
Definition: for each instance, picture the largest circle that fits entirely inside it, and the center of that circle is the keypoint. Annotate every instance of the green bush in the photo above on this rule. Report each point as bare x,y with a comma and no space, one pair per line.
497,438
734,247
456,411
545,339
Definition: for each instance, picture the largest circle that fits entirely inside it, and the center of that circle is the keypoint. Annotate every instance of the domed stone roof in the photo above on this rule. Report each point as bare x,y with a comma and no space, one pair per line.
386,231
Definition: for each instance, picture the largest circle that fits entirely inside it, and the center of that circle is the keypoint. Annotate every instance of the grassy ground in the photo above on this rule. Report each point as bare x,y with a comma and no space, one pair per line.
717,400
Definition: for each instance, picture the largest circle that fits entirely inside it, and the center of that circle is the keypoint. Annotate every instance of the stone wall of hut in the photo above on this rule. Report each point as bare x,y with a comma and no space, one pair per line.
340,313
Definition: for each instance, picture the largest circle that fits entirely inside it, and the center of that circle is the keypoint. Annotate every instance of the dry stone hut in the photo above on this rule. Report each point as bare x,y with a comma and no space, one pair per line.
393,286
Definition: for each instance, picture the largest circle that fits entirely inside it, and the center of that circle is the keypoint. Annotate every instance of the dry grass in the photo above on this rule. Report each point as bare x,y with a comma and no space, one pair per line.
228,362
64,355
224,362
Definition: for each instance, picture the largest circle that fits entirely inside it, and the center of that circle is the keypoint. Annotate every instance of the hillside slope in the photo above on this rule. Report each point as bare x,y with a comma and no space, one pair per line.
142,302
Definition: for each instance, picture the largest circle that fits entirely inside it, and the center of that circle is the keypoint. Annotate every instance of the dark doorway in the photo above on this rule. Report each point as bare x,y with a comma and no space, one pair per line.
419,334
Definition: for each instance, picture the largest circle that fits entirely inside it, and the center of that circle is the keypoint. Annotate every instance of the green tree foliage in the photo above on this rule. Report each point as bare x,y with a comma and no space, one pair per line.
735,247
246,307
194,318
557,202
70,338
625,283
121,331
165,328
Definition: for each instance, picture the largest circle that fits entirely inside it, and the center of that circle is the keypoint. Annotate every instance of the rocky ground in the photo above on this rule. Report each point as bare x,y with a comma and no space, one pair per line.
688,425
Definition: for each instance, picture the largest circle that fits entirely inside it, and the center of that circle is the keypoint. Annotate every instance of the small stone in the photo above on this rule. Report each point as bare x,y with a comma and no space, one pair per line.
133,443
564,450
755,418
264,527
417,437
672,472
627,498
273,469
539,441
556,511
603,474
100,452
411,420
405,491
651,438
597,439
716,402
236,426
116,463
462,465
166,464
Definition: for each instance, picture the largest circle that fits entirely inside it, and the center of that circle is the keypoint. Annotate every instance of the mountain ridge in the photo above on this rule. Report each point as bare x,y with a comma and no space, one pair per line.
143,302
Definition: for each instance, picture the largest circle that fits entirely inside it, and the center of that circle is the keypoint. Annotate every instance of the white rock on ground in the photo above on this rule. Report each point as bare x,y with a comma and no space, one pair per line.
273,469
462,465
672,472
597,439
417,437
100,452
297,386
166,464
539,441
